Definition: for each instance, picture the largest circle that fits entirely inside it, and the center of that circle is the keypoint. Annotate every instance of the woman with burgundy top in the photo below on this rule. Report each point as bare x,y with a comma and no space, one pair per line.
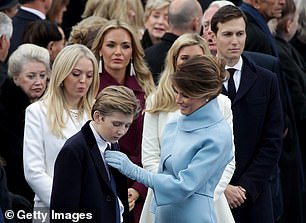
120,57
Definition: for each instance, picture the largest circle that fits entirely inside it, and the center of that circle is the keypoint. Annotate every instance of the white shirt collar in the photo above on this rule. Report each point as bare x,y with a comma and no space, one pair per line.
237,66
101,143
34,11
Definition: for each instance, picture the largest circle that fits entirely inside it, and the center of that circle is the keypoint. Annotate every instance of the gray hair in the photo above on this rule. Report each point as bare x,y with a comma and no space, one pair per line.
6,26
218,4
25,53
154,5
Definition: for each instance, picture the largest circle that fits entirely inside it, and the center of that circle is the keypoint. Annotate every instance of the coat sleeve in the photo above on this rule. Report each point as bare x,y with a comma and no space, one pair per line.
225,107
34,155
150,148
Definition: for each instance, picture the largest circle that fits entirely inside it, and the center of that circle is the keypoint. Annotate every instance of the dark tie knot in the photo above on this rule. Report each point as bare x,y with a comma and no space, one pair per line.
231,71
108,147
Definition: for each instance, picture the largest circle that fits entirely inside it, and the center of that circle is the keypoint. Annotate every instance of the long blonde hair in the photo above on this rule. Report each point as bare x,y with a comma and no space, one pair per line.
54,99
164,96
143,74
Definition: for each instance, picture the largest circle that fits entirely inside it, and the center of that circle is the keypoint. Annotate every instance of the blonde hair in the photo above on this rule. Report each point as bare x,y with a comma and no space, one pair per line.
54,98
164,96
85,31
143,74
137,7
108,9
55,9
116,99
154,5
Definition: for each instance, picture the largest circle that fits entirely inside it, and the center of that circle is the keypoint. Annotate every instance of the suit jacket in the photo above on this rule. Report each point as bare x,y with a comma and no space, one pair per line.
81,183
20,21
156,54
258,129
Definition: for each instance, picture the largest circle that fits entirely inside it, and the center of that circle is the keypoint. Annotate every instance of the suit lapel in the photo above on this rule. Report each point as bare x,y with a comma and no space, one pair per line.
95,153
99,164
248,78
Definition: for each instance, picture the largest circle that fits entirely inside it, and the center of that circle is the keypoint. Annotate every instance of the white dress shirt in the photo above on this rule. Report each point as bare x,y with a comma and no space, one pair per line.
102,147
237,74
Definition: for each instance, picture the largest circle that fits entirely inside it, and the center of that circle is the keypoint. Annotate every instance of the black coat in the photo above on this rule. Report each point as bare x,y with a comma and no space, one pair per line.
146,41
81,183
257,40
156,54
13,102
20,22
258,129
294,68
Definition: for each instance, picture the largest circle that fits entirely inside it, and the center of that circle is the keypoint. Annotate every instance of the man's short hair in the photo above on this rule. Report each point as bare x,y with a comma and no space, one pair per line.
225,14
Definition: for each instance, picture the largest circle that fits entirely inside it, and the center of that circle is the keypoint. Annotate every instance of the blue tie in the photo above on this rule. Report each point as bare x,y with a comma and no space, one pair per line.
231,89
113,186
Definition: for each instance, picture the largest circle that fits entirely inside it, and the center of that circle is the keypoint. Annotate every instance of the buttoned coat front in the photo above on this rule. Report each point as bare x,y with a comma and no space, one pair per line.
194,152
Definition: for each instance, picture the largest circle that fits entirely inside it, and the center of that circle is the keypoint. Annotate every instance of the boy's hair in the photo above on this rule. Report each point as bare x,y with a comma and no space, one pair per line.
116,99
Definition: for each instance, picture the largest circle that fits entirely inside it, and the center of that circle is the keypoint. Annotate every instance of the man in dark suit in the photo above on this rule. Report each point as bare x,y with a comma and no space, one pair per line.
83,182
184,16
257,121
288,177
29,11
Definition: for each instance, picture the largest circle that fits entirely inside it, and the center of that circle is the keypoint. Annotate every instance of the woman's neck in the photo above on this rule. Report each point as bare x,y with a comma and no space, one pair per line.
118,75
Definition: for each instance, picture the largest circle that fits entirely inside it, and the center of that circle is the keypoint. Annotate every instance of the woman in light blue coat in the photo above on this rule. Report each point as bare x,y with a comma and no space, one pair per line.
196,147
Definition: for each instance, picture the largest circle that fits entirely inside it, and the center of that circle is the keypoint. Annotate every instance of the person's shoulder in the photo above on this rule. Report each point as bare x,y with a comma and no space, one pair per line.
35,106
262,59
75,144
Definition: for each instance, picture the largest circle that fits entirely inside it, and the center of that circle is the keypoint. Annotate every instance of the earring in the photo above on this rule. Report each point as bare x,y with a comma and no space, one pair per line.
100,65
132,70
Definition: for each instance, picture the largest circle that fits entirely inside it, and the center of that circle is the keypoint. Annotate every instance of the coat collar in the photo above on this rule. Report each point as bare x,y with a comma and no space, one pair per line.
204,117
95,152
169,37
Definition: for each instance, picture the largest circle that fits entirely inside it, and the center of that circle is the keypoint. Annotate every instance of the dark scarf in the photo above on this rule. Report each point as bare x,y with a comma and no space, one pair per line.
261,23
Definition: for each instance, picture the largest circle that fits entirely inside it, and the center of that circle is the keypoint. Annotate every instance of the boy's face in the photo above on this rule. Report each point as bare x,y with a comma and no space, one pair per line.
230,40
112,127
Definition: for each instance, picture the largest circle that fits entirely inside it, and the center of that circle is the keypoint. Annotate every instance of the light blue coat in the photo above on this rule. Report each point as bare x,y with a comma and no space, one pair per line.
194,152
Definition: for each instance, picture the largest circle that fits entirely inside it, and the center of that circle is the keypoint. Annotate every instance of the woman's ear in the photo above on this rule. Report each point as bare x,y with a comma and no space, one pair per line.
49,46
16,80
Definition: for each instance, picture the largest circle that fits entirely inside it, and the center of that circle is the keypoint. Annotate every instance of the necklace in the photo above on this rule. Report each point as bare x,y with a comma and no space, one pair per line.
74,116
74,113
